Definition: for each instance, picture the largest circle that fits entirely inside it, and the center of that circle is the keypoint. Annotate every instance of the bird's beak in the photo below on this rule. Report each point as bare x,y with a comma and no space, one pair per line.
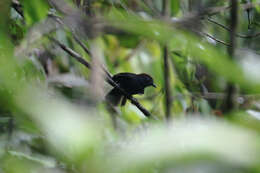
154,85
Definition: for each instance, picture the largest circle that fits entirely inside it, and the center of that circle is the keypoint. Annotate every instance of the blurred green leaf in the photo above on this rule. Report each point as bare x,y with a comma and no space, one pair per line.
34,11
128,41
175,7
199,138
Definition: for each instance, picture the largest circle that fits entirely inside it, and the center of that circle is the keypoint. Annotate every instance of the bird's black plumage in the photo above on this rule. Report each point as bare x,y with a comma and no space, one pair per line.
130,83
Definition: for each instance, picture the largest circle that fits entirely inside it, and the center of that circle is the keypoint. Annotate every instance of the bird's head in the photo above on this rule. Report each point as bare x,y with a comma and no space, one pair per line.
147,80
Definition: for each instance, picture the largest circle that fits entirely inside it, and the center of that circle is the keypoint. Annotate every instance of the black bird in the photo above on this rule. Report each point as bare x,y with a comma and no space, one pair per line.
130,83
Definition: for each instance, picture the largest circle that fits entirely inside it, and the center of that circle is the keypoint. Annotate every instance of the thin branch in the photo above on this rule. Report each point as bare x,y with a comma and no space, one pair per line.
60,22
222,42
108,76
215,10
81,44
217,40
18,8
228,29
71,53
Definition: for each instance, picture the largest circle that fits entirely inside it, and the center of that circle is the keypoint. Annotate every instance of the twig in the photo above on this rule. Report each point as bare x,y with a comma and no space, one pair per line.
108,76
217,40
216,10
71,53
59,21
81,44
222,42
228,29
18,7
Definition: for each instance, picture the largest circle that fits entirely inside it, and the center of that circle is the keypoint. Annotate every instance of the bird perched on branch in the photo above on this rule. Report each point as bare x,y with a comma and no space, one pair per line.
130,83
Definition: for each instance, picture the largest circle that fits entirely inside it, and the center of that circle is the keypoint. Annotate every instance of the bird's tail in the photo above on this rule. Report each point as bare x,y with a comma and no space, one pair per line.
114,97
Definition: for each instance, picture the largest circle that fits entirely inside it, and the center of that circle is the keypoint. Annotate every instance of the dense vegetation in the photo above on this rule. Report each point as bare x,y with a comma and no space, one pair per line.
57,59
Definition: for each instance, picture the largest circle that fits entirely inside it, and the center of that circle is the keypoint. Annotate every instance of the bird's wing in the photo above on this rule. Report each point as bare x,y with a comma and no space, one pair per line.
123,77
129,82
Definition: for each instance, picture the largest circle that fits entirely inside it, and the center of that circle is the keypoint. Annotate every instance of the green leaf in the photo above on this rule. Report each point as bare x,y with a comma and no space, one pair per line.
34,11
